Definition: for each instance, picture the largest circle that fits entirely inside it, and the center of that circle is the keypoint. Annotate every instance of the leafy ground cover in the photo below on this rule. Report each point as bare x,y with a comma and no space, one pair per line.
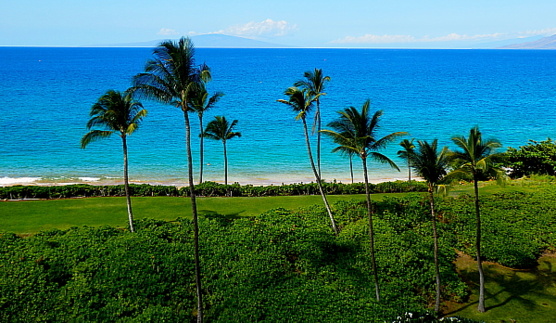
278,265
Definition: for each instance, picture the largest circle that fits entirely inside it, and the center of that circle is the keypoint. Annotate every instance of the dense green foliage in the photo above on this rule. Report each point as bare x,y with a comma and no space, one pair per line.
537,157
517,226
208,189
279,266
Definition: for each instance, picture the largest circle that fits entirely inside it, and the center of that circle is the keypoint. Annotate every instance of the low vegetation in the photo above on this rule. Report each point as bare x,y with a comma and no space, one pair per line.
285,265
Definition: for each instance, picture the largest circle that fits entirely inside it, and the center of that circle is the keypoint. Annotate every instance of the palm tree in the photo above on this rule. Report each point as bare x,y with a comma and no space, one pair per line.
221,129
476,159
169,78
355,132
301,102
431,165
315,82
408,147
116,113
200,101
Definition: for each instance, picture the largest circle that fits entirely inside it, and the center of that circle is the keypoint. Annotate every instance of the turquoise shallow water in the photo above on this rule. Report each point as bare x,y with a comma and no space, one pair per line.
47,93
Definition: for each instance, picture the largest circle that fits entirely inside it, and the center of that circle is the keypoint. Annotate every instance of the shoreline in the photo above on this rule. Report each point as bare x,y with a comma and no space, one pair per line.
275,180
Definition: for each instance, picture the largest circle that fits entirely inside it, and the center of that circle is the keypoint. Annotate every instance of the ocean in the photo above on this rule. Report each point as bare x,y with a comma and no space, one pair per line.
47,94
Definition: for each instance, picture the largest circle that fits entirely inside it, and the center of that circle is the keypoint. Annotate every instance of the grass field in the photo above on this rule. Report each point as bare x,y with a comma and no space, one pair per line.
511,295
28,217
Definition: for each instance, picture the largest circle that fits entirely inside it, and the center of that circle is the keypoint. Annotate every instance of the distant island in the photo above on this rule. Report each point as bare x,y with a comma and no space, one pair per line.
214,41
543,43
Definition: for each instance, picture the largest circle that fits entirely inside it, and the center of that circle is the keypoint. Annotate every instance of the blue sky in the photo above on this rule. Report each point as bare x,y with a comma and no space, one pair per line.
348,23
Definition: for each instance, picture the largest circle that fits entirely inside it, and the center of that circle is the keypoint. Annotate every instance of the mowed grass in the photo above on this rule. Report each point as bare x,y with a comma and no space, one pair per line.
511,295
28,217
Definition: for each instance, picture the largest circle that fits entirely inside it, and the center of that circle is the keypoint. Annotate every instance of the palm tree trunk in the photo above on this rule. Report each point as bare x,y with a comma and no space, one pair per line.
195,218
126,184
435,250
201,150
481,307
319,127
351,167
409,169
371,230
319,183
225,163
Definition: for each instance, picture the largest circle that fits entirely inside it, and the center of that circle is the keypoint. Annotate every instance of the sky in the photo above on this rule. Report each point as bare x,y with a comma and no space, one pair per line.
325,23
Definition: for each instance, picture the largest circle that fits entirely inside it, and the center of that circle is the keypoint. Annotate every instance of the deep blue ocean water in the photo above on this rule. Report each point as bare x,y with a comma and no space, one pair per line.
46,95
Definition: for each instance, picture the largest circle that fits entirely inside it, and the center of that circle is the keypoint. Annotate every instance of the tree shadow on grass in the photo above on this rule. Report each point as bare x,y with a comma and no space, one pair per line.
212,215
527,287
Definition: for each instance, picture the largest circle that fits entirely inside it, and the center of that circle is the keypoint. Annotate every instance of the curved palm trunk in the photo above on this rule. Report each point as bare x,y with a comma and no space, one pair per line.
435,250
351,167
195,218
126,184
319,128
334,228
201,151
371,229
481,307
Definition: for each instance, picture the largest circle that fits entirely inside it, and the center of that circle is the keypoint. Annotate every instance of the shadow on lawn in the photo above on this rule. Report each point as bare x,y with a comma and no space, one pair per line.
212,215
505,285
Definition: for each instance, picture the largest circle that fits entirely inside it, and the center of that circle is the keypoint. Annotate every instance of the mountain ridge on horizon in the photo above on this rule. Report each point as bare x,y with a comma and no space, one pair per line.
543,43
213,41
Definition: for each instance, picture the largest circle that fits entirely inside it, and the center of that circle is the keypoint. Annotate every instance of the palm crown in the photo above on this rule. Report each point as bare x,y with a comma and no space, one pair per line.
171,74
356,132
300,101
114,112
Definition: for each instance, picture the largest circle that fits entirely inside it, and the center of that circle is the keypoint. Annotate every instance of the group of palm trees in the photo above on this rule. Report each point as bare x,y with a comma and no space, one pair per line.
355,134
172,77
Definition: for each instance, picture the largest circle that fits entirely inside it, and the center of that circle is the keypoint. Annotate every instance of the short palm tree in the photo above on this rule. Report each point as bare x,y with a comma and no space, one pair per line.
200,101
315,82
170,78
301,102
221,129
408,147
115,112
431,165
476,159
356,132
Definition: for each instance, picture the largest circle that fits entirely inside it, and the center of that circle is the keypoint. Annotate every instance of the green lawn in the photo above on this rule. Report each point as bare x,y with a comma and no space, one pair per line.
28,217
511,295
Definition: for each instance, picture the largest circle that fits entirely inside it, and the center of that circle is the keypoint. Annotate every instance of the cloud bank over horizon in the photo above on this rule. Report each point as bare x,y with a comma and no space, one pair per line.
452,37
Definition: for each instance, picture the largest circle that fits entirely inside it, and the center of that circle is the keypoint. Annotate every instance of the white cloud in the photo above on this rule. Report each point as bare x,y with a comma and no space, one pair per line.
388,39
539,32
167,32
265,28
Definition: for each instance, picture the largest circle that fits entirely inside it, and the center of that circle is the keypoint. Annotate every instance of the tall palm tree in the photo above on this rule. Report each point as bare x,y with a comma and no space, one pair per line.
408,147
221,129
116,113
301,102
431,165
315,83
476,159
356,132
169,77
200,101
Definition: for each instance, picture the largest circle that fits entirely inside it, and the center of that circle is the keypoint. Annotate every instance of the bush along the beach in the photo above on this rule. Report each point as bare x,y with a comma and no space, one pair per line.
207,189
537,157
